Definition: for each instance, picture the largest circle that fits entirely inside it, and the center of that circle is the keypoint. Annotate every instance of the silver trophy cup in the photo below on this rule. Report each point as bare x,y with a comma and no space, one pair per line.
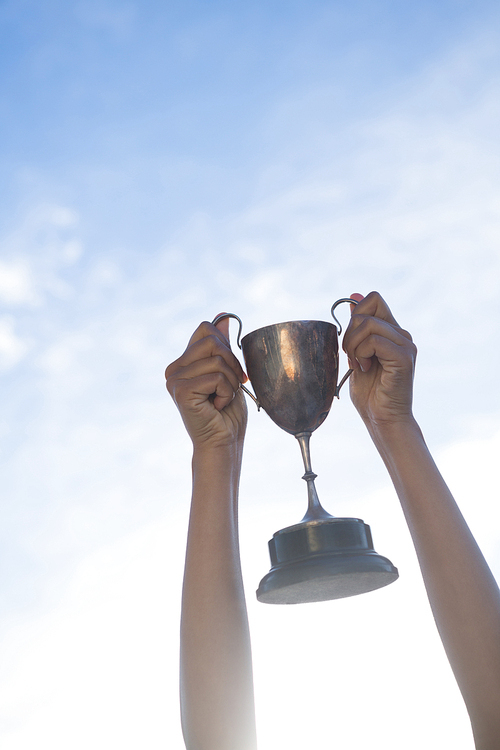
293,369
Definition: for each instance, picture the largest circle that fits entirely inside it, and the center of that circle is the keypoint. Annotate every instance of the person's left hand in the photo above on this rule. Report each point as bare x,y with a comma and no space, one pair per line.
382,355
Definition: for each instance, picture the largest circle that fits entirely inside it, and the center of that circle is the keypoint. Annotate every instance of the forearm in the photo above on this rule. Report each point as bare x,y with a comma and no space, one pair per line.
216,667
463,594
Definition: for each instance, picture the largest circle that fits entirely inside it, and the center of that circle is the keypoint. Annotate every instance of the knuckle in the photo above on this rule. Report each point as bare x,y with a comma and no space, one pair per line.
362,323
218,360
173,386
170,369
226,387
220,382
169,379
410,355
215,342
357,320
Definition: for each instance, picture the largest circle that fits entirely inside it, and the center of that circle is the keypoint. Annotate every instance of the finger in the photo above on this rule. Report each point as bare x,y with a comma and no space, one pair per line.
195,392
206,366
365,327
357,297
222,331
207,329
207,341
386,351
359,321
353,365
223,326
374,304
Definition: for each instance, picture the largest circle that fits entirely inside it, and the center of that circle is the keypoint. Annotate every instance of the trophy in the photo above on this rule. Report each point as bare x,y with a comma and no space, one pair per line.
293,369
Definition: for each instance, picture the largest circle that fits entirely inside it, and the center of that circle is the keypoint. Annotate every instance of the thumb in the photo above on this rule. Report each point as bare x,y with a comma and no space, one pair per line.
357,297
223,326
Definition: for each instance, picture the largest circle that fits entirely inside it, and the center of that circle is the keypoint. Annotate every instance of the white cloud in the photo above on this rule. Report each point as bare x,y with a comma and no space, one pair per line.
58,216
72,251
12,348
411,208
101,659
16,283
35,254
471,467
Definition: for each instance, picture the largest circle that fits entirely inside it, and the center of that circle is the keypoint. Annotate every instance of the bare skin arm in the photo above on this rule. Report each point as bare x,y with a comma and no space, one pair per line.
463,594
216,684
216,672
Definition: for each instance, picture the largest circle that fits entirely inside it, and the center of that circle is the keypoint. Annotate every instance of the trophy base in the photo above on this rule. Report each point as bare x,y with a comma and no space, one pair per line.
321,560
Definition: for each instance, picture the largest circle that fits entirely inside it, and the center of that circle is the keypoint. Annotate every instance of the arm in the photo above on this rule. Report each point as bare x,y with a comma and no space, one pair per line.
462,592
216,686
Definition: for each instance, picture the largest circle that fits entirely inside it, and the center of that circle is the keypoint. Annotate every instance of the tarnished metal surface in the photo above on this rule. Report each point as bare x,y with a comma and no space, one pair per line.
293,368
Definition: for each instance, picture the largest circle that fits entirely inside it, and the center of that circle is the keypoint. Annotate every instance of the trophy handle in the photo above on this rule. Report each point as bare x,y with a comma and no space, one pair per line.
339,329
216,320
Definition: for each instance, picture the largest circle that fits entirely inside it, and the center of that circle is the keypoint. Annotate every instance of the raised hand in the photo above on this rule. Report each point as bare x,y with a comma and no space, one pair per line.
462,592
382,355
205,385
216,688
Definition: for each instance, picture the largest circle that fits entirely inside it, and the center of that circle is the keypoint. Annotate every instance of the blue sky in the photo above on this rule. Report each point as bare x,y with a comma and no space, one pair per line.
144,109
160,162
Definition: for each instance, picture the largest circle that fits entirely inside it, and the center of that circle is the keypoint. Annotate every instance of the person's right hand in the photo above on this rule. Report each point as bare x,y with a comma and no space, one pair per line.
205,385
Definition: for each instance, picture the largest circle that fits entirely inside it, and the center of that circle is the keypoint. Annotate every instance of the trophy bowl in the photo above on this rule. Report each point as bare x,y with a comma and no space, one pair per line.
293,368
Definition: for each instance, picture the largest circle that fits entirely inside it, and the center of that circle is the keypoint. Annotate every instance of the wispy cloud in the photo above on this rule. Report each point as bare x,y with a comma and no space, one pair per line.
12,348
401,194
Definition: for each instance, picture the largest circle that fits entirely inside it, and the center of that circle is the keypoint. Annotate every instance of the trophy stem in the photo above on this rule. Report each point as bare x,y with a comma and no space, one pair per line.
315,511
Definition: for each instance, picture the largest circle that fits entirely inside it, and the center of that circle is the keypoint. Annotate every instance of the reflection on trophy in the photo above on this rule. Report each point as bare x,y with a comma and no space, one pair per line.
293,369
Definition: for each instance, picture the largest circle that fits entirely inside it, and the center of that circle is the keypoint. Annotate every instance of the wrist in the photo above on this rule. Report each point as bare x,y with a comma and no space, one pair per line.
393,429
397,441
394,433
219,454
216,470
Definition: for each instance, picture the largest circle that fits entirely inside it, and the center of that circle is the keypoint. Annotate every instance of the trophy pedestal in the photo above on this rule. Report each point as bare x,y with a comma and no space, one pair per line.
323,559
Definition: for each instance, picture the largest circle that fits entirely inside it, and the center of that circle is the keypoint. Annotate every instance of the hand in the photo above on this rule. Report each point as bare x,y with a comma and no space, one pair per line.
382,356
205,385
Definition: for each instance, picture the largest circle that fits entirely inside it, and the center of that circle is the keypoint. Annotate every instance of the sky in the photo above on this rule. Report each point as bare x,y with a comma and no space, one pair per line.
159,163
